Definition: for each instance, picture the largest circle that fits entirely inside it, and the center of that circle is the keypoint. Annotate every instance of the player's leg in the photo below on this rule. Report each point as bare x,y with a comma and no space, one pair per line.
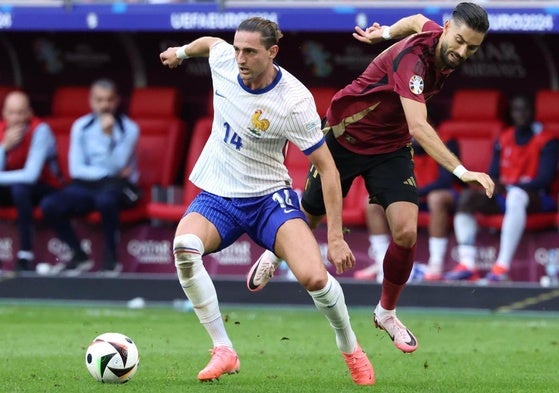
313,206
392,184
397,266
296,244
264,268
197,234
379,239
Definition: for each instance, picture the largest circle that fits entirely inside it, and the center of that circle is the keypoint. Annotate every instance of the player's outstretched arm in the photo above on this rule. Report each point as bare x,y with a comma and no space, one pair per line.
173,56
339,253
427,137
377,33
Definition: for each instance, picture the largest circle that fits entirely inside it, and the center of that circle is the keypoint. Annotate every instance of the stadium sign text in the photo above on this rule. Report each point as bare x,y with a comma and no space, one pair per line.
517,21
213,20
5,20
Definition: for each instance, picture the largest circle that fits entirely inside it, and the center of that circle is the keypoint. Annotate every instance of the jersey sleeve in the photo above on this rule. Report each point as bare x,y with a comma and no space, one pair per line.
409,76
305,130
430,26
221,52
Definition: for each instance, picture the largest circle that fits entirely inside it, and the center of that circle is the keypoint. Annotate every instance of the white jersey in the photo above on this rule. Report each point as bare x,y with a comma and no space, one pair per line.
244,155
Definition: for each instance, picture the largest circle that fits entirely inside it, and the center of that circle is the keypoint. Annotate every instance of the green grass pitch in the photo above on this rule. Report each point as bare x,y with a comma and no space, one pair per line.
42,349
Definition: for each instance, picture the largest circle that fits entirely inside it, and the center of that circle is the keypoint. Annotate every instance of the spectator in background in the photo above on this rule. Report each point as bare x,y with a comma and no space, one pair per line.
102,166
524,166
28,168
438,193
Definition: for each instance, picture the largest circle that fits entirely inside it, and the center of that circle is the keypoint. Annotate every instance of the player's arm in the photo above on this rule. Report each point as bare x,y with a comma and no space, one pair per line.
173,56
339,252
402,28
427,137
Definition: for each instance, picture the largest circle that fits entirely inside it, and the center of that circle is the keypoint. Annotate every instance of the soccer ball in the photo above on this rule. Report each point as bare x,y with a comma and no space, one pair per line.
112,358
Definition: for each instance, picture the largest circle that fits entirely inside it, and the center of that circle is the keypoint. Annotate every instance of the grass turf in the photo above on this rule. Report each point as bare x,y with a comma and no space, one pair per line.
42,349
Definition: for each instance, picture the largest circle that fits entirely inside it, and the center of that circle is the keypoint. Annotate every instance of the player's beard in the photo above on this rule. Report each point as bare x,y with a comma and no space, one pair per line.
446,59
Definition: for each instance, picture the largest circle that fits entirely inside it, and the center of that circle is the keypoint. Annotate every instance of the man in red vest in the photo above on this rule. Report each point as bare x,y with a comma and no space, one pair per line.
28,167
524,166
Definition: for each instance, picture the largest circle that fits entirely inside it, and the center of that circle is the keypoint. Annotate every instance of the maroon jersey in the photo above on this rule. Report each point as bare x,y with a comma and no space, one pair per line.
367,116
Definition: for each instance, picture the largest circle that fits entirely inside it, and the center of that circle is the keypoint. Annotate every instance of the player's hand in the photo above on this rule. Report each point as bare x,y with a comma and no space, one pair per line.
482,179
371,35
340,255
169,57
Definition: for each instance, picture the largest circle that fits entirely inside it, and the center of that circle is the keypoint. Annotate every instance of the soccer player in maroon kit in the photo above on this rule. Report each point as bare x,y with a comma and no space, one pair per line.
369,128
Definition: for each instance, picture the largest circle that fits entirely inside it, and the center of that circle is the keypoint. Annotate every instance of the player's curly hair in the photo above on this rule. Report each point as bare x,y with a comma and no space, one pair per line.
269,30
474,16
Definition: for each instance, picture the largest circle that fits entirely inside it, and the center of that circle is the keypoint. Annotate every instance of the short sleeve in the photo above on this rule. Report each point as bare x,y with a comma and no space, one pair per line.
409,77
431,26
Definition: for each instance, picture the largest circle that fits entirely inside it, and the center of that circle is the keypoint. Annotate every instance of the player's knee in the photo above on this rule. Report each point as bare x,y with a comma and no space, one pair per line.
315,283
187,250
312,281
405,236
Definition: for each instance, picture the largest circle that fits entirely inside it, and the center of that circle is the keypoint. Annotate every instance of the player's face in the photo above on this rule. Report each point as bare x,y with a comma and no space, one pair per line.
255,62
103,100
458,43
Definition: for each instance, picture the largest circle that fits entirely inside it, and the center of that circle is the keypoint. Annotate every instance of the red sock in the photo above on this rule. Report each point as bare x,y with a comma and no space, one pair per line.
397,266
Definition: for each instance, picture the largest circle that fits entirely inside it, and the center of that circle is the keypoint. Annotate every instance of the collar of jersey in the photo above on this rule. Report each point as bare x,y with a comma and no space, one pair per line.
264,89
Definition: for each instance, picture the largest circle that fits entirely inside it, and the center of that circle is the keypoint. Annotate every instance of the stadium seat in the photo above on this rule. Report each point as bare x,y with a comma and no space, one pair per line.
210,105
155,102
298,166
173,212
63,148
322,97
426,171
477,105
546,103
70,102
159,150
475,123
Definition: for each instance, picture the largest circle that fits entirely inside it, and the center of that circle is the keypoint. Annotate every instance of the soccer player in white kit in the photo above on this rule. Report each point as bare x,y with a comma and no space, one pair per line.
259,107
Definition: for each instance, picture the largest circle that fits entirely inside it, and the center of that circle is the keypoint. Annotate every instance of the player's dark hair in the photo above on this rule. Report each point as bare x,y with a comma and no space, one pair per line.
474,16
269,30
